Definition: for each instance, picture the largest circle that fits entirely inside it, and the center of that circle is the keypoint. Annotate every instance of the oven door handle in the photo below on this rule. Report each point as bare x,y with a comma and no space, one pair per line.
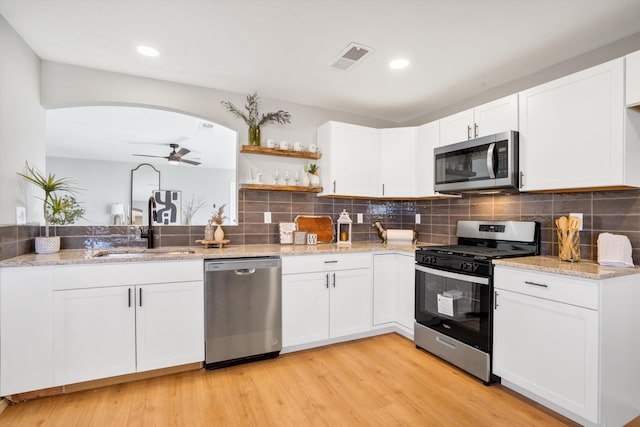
490,166
451,275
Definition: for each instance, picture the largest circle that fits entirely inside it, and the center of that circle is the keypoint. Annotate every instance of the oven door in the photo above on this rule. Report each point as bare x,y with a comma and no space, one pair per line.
454,304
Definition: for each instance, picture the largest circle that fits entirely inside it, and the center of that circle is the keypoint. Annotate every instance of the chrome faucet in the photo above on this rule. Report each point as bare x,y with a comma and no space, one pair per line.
152,217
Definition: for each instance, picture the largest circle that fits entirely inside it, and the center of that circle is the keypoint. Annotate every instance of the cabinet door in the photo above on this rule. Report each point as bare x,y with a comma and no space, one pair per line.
26,329
353,154
397,158
456,128
94,333
496,116
549,349
384,288
406,295
633,79
571,130
169,325
305,308
428,138
350,302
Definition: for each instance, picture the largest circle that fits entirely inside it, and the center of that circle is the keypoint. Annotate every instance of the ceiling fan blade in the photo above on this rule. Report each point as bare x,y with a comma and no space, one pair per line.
146,155
182,152
191,162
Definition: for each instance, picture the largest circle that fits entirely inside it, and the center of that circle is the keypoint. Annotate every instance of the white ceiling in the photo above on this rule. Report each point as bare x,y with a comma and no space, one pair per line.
281,48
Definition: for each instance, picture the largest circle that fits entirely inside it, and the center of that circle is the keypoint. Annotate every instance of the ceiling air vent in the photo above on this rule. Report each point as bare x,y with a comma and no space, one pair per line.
350,56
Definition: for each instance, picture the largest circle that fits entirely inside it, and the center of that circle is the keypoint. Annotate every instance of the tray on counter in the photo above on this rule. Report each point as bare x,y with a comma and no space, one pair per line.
320,225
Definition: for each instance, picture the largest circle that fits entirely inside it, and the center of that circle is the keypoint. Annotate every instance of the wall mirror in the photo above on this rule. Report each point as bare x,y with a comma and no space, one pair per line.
100,146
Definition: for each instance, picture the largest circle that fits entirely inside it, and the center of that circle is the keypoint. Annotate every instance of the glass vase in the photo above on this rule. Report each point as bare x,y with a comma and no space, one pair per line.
254,135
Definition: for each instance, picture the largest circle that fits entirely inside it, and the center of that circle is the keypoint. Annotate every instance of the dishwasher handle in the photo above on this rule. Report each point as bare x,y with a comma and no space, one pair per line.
245,271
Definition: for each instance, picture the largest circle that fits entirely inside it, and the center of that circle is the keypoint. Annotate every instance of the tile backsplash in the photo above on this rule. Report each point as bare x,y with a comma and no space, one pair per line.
604,211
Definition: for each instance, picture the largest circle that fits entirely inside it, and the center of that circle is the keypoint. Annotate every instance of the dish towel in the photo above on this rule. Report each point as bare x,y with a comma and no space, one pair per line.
614,250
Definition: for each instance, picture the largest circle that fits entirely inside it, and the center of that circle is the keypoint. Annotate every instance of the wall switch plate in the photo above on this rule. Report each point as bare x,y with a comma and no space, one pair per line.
21,215
578,215
418,219
267,217
359,218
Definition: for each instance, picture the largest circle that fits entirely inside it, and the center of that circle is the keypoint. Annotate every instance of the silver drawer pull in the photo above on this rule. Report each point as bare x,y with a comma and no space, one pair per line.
446,343
331,262
542,285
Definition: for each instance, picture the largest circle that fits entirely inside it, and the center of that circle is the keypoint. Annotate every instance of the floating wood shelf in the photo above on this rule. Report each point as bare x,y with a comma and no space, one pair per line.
252,149
267,187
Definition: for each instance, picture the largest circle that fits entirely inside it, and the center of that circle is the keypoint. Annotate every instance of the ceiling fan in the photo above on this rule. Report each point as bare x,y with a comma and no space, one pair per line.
174,157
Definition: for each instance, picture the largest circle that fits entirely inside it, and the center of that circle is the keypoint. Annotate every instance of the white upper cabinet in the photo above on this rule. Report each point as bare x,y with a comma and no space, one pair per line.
572,132
428,138
351,160
633,78
493,117
397,158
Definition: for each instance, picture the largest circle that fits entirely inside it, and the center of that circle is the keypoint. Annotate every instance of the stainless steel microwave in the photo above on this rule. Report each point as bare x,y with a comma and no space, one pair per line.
482,164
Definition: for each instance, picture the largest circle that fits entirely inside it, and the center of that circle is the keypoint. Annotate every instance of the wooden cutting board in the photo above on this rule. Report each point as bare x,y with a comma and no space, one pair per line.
320,225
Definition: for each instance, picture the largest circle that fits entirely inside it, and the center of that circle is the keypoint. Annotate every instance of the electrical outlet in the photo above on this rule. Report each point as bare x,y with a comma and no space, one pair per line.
359,218
267,217
578,215
418,219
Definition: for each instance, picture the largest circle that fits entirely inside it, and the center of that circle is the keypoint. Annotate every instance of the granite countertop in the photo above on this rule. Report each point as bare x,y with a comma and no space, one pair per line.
583,269
88,256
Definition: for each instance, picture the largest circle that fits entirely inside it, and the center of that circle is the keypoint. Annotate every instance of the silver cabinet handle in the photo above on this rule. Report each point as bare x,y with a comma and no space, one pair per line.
542,285
521,180
475,130
333,281
468,132
326,278
383,189
331,262
495,300
334,186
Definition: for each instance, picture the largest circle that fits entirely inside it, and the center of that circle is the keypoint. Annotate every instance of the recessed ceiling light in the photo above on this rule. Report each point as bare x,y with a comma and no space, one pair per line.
398,64
147,51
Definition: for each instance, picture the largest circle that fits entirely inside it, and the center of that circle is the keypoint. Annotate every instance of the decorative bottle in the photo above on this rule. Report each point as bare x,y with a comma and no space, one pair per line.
208,231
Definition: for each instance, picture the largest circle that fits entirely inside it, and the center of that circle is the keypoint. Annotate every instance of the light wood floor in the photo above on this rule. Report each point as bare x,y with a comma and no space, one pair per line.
379,381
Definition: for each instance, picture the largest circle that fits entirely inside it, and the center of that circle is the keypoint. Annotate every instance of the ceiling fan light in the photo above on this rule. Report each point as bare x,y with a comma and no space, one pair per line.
174,162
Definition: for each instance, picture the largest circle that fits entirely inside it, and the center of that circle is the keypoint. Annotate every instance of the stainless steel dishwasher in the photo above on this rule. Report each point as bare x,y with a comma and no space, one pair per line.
243,310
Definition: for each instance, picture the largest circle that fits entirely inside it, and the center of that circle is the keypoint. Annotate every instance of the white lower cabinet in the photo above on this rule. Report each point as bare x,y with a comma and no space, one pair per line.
331,300
104,332
71,323
26,329
393,289
567,343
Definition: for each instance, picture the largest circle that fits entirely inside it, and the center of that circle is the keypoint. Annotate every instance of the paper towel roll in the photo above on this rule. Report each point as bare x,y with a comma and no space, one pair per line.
399,236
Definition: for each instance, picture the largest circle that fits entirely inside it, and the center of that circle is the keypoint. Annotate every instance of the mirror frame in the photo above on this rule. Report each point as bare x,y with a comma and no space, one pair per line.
130,222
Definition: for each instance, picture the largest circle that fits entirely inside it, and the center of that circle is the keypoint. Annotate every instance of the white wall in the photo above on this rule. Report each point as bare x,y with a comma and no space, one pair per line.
66,85
22,124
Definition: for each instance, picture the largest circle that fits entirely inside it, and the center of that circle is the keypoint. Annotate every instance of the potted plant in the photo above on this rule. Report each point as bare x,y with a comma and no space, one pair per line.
253,119
58,209
218,217
312,170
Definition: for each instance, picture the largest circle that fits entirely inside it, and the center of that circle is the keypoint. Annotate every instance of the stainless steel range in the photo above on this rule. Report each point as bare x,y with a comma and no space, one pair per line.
454,290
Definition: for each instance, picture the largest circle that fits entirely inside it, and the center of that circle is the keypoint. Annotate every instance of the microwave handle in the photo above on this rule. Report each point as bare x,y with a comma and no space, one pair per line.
490,166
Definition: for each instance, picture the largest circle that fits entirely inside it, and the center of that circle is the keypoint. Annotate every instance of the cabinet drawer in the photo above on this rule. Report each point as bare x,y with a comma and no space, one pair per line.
128,273
583,293
313,263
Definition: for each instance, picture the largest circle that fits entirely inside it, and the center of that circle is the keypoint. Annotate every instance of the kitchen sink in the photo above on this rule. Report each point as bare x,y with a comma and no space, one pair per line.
141,253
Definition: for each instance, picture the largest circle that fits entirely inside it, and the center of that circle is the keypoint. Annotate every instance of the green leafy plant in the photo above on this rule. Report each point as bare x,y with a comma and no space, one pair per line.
217,216
312,168
57,209
252,117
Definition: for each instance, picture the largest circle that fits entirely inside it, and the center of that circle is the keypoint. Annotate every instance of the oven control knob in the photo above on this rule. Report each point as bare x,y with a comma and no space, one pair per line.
468,266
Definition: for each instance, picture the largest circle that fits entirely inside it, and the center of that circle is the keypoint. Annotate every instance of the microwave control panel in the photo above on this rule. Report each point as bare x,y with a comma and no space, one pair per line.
503,159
